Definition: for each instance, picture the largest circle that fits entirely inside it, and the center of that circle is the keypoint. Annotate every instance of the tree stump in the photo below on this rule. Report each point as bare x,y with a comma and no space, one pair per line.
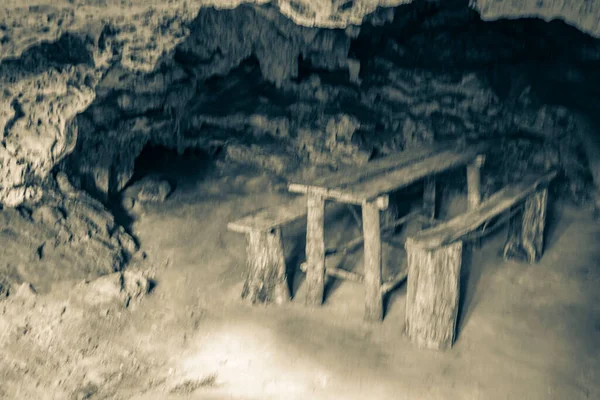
433,293
266,281
372,262
525,240
315,250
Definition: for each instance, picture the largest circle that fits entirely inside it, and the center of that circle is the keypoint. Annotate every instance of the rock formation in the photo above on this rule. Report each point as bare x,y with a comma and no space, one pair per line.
86,85
140,66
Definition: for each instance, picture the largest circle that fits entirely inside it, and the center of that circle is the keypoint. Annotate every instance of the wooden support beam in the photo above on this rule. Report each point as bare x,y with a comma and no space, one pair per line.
355,215
526,229
429,209
355,243
338,273
372,257
392,283
400,221
433,293
474,187
340,195
266,280
343,274
474,182
315,249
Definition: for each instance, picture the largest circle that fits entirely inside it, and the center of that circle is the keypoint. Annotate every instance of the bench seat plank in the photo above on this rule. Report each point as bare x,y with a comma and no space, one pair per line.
266,219
452,230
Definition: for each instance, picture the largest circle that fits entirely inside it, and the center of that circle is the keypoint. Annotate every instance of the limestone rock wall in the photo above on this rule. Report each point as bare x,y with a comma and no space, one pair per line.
37,113
158,73
583,14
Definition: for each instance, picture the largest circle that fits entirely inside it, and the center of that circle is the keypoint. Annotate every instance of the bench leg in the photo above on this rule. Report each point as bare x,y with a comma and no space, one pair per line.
429,200
315,250
526,230
474,186
372,262
474,182
266,281
433,293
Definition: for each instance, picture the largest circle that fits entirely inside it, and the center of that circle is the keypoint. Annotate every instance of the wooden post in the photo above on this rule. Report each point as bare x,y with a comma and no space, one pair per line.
429,202
372,261
474,182
266,280
474,186
315,250
526,229
433,293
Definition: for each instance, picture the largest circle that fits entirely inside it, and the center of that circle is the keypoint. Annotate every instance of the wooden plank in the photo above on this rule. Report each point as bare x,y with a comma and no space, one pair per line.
266,219
338,273
358,241
397,178
343,274
315,250
350,176
372,257
457,227
414,172
340,195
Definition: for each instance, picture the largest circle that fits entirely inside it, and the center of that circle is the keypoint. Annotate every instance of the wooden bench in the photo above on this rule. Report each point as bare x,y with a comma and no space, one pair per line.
367,186
435,256
266,279
370,186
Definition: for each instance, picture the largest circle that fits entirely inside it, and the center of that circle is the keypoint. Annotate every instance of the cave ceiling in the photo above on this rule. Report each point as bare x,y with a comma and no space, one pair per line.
82,74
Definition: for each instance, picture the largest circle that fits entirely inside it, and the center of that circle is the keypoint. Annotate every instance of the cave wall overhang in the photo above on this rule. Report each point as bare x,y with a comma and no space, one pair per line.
59,59
149,29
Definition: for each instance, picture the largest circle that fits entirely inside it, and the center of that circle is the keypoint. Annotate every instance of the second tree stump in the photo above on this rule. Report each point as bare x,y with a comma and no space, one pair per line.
433,294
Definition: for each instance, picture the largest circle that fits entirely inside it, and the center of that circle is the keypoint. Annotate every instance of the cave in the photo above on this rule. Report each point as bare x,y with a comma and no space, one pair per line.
269,200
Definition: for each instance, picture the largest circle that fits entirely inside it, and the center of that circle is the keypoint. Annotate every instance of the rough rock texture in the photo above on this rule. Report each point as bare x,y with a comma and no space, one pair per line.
142,66
284,93
188,101
135,31
151,190
157,27
584,14
68,235
36,112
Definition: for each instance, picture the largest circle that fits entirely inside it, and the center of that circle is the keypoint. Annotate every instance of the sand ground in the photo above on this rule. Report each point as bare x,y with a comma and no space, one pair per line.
525,331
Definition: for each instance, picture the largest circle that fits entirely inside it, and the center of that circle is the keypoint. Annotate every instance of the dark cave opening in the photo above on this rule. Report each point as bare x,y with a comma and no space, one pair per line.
179,169
183,171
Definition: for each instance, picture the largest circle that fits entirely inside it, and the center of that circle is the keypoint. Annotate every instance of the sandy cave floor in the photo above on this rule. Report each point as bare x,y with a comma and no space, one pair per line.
525,331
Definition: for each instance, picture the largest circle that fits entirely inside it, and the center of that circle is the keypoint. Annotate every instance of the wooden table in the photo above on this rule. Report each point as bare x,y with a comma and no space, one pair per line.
369,186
